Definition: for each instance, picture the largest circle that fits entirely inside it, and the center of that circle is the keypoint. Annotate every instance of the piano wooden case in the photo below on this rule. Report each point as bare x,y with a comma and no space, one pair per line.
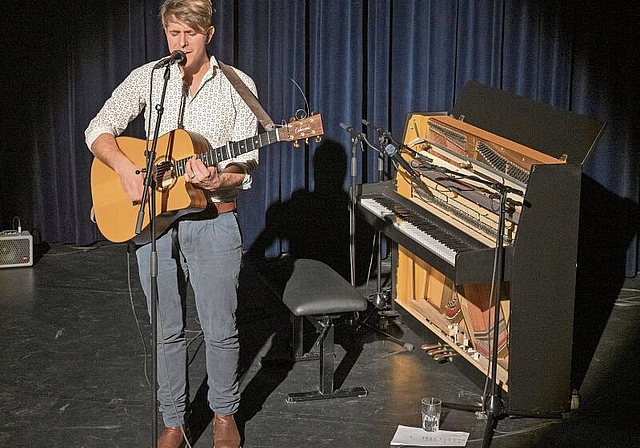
444,251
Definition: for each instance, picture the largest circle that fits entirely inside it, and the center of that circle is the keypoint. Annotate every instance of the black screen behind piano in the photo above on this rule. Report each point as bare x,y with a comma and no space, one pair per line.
539,126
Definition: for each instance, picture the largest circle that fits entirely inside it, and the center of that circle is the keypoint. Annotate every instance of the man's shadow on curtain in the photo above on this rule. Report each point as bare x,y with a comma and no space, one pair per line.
315,224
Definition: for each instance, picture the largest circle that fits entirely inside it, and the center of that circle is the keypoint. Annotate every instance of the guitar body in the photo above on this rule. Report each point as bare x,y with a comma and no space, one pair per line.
116,215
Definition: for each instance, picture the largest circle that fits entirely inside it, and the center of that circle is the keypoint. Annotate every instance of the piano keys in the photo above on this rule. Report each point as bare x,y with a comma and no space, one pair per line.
444,248
427,231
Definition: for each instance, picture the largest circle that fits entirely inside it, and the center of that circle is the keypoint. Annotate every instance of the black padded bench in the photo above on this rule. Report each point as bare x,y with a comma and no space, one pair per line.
318,293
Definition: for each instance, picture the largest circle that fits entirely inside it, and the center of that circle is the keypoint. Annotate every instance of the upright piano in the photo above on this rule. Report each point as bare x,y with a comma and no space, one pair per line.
444,229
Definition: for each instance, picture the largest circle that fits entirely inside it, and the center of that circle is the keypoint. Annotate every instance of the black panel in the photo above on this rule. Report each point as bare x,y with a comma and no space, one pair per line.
543,279
539,126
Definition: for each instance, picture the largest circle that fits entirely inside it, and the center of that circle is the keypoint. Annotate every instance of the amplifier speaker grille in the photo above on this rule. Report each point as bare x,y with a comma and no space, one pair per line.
16,250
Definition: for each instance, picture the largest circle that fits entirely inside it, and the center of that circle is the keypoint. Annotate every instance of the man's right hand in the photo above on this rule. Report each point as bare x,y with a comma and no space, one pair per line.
132,183
106,150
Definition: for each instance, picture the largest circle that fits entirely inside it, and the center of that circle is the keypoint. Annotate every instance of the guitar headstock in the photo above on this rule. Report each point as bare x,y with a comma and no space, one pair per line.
303,128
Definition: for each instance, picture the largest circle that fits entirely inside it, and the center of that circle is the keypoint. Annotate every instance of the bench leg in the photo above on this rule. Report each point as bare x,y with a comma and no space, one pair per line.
298,342
327,356
298,337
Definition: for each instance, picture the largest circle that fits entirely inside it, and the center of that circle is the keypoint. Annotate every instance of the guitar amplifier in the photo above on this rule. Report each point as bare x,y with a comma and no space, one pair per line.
16,249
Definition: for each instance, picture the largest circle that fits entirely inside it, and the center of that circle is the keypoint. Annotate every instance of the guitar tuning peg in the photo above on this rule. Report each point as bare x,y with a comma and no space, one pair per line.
296,144
306,141
318,139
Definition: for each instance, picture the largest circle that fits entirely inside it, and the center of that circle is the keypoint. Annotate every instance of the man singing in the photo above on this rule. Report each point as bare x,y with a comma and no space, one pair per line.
204,249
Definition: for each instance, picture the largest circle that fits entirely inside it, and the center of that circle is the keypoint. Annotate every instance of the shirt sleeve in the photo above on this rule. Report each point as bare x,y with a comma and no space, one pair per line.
246,125
125,104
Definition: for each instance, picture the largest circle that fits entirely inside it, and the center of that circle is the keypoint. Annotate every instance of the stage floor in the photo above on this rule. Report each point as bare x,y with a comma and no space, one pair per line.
73,371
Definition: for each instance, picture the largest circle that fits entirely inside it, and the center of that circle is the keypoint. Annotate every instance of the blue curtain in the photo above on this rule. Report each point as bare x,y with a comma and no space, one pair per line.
373,59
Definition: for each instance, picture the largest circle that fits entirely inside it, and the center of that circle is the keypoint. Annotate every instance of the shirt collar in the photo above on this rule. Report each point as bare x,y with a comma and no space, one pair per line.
213,67
211,71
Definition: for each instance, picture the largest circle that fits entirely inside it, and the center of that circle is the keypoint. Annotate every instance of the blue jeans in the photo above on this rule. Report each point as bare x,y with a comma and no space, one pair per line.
206,253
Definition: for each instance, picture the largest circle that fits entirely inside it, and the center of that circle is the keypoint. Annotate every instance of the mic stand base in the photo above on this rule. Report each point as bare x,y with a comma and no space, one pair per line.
406,345
380,302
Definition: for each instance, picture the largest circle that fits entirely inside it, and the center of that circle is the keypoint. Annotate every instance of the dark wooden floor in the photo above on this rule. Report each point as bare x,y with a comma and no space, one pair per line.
73,371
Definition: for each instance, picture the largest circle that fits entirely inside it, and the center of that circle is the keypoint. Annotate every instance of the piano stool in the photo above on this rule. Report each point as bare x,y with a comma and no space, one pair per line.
316,292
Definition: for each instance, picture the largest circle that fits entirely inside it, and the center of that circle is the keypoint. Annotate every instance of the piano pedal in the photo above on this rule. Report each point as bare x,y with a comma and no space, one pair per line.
437,351
429,346
441,358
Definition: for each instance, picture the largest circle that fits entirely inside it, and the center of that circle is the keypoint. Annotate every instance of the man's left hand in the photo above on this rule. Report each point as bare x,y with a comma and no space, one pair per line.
201,176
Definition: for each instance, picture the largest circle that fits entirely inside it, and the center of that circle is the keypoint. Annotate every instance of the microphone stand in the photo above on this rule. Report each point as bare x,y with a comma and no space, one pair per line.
361,137
492,404
380,299
149,185
356,139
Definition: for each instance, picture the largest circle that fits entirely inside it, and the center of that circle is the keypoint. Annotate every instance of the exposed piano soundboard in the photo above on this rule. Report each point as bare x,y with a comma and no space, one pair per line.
446,239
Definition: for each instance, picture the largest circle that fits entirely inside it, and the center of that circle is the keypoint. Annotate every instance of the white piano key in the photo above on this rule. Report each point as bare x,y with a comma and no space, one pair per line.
412,231
376,208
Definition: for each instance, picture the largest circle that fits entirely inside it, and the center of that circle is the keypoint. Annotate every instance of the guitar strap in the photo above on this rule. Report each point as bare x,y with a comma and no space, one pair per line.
248,97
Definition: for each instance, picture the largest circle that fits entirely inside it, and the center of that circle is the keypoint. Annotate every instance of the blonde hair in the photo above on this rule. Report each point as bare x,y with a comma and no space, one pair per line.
195,13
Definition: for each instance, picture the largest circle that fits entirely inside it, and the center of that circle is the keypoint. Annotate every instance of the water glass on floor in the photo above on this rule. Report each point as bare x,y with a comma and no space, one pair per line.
431,408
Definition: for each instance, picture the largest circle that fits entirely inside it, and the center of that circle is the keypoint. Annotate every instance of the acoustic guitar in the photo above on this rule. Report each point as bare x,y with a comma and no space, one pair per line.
116,215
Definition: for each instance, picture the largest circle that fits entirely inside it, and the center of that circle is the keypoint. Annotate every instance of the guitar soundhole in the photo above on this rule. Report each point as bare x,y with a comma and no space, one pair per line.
165,177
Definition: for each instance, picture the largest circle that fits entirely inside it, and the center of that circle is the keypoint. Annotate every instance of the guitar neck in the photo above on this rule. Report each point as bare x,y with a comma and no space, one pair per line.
230,150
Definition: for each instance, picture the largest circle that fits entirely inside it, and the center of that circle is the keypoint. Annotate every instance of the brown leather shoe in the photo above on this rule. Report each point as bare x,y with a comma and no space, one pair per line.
225,432
173,437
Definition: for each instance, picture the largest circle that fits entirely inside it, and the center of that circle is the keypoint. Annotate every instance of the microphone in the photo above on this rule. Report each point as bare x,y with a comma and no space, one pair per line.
350,130
377,130
393,152
417,156
176,57
385,136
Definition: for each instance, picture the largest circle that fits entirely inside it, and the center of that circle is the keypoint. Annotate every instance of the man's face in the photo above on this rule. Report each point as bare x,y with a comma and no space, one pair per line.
181,36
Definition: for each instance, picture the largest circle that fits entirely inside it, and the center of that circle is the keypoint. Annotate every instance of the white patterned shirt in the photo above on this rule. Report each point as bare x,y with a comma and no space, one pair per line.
216,111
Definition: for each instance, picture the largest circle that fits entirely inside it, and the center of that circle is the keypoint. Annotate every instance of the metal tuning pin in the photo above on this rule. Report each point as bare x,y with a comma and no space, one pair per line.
318,138
296,143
